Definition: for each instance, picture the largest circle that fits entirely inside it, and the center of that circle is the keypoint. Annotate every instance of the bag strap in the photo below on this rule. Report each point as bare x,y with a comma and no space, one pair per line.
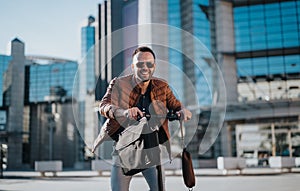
181,132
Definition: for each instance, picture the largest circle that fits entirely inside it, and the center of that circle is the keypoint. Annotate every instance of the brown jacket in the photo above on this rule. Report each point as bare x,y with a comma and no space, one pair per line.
123,93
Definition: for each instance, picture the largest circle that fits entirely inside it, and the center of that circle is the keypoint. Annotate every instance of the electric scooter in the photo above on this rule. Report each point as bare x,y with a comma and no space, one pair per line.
171,117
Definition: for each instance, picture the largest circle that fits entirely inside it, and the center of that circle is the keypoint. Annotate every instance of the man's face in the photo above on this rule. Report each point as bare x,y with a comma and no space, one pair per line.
143,66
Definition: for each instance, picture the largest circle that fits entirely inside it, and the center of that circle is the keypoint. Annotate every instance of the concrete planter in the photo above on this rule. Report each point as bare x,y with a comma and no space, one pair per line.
231,163
282,162
48,166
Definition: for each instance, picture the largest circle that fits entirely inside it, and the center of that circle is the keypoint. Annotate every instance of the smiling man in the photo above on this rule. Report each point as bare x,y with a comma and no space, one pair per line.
143,66
133,96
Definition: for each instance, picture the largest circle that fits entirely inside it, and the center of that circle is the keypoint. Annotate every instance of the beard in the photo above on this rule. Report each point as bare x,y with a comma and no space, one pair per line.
144,76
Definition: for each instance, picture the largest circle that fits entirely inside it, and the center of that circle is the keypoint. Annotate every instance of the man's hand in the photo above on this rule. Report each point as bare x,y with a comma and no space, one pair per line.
93,149
133,113
184,114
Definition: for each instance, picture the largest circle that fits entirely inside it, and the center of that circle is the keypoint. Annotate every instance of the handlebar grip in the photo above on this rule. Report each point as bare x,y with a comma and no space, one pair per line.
169,116
172,117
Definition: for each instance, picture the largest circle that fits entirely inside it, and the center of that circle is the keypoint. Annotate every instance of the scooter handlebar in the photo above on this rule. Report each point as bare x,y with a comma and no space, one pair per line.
170,116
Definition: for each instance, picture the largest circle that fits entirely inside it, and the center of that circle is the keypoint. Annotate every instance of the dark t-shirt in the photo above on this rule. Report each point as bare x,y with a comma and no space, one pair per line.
144,104
145,101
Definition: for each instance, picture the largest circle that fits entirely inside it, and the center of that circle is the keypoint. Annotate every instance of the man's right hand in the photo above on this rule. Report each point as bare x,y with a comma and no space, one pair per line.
131,113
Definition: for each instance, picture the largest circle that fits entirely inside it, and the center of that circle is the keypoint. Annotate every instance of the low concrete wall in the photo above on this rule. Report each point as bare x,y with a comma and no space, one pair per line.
297,161
48,166
207,163
282,162
231,163
251,162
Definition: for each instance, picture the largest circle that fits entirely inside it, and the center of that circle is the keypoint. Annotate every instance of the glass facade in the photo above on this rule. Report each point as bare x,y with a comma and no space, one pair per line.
269,36
175,57
192,17
268,66
201,22
4,61
51,80
267,42
87,84
203,73
88,55
178,16
267,26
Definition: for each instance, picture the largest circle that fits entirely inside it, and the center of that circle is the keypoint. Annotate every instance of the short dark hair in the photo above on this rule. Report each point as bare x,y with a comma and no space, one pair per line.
143,49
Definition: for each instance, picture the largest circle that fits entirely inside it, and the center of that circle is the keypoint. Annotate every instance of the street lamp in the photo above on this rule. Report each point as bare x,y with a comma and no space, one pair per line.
52,119
57,94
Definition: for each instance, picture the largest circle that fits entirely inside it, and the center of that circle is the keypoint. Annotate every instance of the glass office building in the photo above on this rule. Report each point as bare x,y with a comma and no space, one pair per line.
47,81
48,116
88,55
267,45
86,91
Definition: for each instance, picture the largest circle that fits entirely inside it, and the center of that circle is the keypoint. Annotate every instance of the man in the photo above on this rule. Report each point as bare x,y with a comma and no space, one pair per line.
131,97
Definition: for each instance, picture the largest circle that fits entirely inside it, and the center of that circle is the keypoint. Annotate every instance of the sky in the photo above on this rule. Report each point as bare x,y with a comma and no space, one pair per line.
47,27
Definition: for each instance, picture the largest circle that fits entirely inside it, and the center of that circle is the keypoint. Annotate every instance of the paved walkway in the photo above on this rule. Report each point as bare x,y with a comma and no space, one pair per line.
279,182
198,172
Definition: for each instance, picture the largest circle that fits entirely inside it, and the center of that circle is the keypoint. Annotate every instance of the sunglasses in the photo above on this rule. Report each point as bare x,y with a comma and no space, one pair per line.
148,64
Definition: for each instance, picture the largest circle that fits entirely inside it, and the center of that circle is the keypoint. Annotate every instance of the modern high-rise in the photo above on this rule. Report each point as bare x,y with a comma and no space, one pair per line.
13,101
88,55
86,90
254,43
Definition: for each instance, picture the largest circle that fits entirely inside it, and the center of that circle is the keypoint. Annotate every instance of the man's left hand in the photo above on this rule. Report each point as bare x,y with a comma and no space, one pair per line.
184,114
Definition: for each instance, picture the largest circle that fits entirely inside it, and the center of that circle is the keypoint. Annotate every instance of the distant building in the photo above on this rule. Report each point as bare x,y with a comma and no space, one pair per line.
13,100
88,55
50,124
88,120
37,122
264,116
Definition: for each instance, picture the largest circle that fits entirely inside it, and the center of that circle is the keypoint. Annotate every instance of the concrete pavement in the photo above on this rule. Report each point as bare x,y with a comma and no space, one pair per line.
85,182
198,172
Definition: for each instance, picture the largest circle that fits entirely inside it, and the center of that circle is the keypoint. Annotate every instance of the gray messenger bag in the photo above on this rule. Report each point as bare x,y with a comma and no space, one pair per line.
138,148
